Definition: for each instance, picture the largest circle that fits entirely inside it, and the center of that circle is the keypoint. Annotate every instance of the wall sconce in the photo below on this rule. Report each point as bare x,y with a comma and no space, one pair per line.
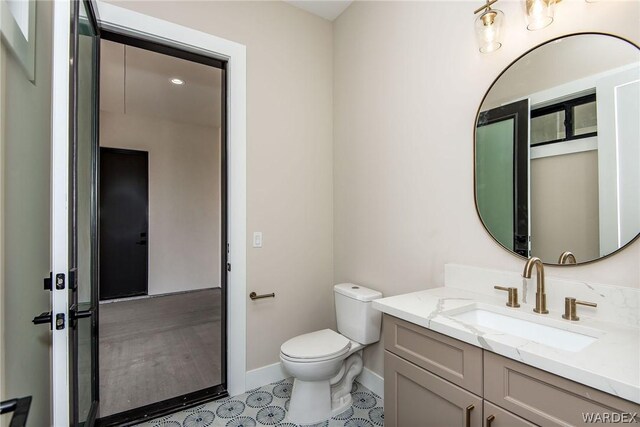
539,13
488,27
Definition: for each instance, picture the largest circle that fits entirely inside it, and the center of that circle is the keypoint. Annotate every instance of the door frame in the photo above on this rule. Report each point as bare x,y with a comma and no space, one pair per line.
116,19
60,205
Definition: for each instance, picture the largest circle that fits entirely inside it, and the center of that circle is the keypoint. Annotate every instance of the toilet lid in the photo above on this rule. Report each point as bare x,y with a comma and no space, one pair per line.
316,345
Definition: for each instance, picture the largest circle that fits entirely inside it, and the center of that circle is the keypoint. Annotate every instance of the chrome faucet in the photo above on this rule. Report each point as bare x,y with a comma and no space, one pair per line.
567,258
541,296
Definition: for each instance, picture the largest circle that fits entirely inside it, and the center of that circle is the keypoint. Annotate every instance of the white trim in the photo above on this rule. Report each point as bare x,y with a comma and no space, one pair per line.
13,20
565,147
150,28
2,185
609,157
60,208
372,381
265,375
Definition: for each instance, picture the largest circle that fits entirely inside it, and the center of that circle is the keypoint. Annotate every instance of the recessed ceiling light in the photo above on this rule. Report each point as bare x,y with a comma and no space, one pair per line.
177,81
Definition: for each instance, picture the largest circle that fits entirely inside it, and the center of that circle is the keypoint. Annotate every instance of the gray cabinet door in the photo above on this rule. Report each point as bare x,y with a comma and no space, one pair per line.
549,400
495,416
453,360
415,397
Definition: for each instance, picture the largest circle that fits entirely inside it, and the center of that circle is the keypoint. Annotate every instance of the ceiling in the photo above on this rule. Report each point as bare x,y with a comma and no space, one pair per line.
137,81
327,9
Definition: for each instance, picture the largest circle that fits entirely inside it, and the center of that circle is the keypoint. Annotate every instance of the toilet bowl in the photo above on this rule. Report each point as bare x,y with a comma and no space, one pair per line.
325,363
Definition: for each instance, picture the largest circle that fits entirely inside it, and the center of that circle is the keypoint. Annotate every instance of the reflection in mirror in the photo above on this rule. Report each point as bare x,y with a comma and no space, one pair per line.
557,150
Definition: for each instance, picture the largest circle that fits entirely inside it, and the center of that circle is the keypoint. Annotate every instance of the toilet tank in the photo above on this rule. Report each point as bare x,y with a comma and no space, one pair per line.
357,320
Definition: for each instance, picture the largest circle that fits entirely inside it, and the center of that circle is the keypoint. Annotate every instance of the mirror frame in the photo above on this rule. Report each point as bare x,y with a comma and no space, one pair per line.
475,125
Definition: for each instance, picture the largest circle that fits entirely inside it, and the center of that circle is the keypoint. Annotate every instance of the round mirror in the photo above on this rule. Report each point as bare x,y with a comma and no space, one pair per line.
557,150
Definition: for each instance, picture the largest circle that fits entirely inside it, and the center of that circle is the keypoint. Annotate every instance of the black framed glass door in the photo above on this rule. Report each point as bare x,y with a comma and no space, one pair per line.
83,252
176,347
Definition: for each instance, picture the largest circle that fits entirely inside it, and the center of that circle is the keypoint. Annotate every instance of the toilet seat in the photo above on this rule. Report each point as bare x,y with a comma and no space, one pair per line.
315,346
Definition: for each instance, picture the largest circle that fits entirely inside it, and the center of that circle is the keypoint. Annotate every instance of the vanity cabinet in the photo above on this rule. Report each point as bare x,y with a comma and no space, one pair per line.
434,380
544,398
455,361
423,399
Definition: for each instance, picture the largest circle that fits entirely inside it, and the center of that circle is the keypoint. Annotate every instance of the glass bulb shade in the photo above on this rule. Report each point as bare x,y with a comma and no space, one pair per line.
539,13
488,27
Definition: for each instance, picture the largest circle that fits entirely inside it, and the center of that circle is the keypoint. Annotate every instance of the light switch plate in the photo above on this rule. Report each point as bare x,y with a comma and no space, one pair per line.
257,239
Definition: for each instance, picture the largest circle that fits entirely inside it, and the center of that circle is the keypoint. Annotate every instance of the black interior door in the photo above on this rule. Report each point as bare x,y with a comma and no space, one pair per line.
124,201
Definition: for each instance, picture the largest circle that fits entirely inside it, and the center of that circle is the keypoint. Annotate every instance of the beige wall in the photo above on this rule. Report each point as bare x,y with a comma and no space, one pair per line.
25,172
184,197
289,160
564,206
408,81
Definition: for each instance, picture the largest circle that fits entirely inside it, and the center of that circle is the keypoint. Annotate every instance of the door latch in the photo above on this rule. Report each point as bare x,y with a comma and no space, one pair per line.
60,282
60,321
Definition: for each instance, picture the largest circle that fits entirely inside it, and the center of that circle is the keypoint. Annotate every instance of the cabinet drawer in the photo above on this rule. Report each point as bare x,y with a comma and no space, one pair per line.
544,398
495,416
453,360
419,398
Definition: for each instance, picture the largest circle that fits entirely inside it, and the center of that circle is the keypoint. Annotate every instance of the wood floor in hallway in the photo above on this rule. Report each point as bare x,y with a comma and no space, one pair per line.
152,349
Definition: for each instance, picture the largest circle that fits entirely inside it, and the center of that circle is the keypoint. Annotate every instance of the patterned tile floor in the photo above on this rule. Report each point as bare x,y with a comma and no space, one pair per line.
268,405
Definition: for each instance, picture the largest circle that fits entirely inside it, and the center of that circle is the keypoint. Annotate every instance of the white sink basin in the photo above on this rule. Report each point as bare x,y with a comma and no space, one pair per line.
545,334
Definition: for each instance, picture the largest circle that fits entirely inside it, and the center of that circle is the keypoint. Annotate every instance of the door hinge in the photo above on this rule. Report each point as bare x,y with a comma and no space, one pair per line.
228,266
60,281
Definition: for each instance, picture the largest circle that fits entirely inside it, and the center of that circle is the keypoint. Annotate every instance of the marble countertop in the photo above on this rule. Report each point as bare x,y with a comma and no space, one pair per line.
610,364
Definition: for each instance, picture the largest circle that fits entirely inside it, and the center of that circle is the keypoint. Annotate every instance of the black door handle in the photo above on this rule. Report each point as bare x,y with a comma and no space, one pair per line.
46,317
75,314
141,242
42,318
80,314
19,407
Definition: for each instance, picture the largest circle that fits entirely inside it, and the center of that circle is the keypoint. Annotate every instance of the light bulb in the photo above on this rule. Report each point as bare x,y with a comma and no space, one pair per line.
539,14
488,27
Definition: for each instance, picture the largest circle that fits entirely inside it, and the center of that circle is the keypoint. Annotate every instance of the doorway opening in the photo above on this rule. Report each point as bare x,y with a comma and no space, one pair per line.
163,239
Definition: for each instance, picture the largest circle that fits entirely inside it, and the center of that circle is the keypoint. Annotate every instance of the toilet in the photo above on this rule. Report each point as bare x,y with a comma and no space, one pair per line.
325,363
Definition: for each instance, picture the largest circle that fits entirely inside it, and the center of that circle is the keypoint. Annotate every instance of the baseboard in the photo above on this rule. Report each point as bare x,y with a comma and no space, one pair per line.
265,375
272,373
372,381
